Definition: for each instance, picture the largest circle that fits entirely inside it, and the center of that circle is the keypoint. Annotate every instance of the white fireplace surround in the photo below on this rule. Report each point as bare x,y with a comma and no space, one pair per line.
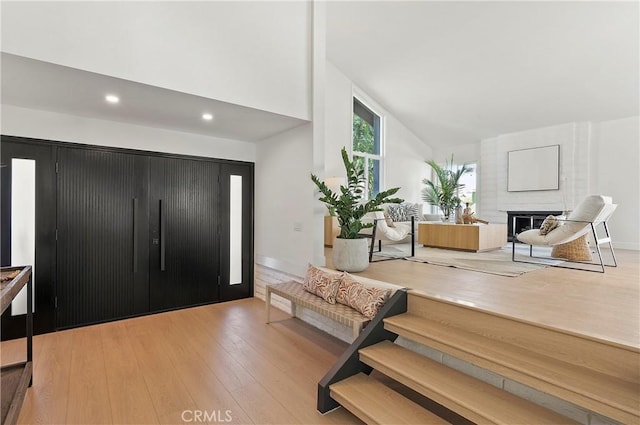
574,140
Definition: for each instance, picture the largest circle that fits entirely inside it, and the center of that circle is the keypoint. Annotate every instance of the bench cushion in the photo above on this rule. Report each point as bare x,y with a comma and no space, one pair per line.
293,291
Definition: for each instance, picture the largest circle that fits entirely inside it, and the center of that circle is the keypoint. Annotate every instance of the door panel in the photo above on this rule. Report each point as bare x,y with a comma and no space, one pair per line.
44,240
236,231
120,233
183,197
102,229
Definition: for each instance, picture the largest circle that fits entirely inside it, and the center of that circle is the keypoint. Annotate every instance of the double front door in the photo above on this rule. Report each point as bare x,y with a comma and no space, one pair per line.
139,233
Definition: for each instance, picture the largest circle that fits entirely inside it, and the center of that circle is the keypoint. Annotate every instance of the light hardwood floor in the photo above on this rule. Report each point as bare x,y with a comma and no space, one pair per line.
602,305
151,369
223,357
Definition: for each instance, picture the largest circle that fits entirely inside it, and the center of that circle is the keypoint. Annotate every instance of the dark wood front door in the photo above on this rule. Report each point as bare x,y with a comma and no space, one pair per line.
183,243
121,233
102,233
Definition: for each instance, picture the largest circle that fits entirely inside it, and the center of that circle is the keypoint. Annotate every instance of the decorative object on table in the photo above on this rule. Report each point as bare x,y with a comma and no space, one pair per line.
444,191
468,218
350,249
459,217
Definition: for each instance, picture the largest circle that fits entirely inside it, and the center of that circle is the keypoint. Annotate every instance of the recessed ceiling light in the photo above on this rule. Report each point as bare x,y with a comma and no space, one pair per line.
112,98
207,117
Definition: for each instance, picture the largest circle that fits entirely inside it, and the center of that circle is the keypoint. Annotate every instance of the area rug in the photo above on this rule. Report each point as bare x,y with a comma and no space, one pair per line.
496,262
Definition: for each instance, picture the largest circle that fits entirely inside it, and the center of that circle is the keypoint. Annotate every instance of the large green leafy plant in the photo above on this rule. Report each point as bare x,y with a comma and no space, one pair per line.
348,204
444,190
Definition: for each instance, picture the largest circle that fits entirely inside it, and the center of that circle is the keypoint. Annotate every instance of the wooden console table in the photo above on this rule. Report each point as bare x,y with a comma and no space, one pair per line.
16,378
464,237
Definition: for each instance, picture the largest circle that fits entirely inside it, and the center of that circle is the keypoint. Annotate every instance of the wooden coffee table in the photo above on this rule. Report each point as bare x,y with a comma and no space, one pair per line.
464,237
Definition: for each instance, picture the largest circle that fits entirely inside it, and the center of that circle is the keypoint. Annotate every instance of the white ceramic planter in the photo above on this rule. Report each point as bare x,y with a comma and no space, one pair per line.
351,255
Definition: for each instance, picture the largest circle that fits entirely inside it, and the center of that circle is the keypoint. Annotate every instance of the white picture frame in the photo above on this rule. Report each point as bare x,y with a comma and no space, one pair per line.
534,169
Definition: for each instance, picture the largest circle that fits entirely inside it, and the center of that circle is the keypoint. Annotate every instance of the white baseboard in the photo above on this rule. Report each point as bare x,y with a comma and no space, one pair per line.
295,269
627,245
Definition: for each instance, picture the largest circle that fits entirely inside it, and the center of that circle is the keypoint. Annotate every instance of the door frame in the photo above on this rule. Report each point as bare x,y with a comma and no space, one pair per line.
44,285
245,289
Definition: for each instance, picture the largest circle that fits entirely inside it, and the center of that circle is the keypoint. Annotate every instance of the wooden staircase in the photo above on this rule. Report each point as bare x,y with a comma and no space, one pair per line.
369,399
598,376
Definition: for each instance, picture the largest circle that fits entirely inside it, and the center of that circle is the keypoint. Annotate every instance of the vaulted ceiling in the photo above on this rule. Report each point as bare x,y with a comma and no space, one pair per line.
452,72
458,72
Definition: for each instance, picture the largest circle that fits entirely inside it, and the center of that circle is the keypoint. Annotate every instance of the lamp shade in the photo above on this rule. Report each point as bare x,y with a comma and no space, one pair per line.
334,183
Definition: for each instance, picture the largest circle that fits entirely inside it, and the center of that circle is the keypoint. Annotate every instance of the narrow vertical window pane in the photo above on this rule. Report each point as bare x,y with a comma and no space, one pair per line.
23,224
468,185
235,230
366,129
367,143
363,136
374,178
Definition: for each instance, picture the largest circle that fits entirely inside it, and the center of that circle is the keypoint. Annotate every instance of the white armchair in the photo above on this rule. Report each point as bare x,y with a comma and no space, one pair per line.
593,211
381,231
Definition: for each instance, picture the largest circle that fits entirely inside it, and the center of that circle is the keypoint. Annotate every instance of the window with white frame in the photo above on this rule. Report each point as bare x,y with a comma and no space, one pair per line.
468,184
367,146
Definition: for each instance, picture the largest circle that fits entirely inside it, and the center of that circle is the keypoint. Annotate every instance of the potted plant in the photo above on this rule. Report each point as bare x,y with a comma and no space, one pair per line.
444,191
350,249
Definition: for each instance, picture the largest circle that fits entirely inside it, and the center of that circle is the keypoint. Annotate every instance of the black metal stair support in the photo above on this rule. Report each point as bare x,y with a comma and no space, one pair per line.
349,363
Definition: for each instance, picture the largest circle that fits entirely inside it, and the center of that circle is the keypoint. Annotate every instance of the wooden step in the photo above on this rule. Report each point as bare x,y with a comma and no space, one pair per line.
608,395
475,400
375,403
600,355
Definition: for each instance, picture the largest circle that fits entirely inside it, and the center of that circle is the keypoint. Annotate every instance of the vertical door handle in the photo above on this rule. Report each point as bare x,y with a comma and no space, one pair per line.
162,235
135,235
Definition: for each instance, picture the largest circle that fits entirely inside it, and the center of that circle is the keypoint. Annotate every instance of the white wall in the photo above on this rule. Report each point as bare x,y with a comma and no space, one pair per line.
405,161
404,153
616,155
319,84
254,54
285,195
338,124
284,198
71,128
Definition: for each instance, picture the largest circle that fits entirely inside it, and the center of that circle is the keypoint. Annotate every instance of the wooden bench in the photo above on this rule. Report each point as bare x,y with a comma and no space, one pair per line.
294,292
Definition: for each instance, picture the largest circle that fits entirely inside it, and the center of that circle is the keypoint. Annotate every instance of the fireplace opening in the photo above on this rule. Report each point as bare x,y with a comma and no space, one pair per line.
525,220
